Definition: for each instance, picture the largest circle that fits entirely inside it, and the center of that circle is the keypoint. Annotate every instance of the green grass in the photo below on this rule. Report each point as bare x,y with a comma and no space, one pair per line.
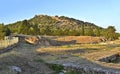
56,68
59,68
39,60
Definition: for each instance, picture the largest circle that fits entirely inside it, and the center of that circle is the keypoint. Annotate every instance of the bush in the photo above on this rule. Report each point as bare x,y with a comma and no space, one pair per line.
56,68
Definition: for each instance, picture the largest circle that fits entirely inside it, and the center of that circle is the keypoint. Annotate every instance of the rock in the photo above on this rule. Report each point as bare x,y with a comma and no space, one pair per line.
16,69
61,73
110,59
89,70
32,40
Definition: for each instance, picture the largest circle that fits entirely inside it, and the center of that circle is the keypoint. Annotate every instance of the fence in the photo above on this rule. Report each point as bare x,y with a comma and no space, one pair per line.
8,42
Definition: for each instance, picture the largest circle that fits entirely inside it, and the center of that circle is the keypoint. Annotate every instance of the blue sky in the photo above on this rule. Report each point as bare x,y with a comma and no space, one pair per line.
101,12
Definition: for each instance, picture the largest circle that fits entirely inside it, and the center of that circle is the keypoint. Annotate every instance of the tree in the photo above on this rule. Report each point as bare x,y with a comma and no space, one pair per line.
89,31
7,31
83,30
34,30
97,32
4,31
24,27
110,33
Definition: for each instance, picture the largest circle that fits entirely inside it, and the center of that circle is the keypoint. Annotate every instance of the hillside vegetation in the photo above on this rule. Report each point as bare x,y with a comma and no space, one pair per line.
60,26
4,31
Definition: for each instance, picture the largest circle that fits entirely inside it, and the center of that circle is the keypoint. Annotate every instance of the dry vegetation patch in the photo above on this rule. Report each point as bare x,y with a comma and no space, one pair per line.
81,39
91,52
23,56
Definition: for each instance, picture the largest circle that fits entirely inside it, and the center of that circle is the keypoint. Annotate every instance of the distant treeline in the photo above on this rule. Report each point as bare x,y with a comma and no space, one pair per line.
58,26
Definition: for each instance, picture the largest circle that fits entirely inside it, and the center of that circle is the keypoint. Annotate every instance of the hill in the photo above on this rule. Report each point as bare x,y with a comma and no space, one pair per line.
55,25
61,26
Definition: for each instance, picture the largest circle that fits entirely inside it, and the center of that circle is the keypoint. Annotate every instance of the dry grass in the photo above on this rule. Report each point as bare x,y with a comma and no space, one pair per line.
24,57
80,39
91,52
76,53
8,42
64,52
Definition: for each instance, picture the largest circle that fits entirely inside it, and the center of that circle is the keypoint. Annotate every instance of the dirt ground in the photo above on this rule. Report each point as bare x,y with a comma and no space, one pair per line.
81,39
31,59
24,57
